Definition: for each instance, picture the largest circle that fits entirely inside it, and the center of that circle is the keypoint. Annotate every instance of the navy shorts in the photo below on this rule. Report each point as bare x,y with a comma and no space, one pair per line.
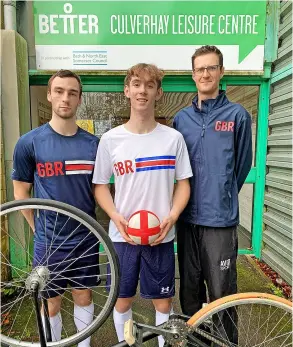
154,266
77,267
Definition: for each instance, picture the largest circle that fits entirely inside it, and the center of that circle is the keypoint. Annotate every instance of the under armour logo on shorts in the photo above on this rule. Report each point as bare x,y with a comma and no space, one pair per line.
165,290
225,264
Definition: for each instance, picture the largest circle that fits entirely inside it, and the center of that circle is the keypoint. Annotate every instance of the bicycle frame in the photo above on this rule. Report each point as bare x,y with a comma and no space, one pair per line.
143,333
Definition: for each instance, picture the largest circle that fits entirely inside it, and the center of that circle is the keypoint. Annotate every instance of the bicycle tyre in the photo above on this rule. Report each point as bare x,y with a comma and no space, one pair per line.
94,227
207,313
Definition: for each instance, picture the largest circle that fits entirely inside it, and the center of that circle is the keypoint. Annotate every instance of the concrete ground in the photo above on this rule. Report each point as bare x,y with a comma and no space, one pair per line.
250,279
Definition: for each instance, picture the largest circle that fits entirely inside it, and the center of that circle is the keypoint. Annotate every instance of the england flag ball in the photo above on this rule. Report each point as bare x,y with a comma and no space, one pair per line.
143,227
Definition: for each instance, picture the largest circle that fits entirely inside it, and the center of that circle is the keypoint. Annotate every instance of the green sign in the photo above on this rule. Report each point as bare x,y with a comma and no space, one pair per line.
148,23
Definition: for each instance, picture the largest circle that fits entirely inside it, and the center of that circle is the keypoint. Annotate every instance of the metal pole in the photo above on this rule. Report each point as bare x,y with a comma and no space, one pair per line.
35,287
9,15
47,320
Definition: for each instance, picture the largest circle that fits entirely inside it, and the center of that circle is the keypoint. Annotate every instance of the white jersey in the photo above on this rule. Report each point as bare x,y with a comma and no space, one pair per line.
145,167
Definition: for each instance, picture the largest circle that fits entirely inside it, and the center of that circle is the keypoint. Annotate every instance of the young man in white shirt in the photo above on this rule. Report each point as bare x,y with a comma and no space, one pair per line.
145,157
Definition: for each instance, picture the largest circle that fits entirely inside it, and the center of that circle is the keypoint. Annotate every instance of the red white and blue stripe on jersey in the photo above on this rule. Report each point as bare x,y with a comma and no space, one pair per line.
163,162
77,167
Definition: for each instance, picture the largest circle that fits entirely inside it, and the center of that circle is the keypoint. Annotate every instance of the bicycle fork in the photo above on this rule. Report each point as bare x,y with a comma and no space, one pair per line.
35,283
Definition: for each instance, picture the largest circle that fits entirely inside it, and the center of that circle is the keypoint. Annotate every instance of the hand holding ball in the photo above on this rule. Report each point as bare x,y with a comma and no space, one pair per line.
143,227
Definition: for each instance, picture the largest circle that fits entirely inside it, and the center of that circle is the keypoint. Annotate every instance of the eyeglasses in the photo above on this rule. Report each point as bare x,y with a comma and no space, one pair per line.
210,69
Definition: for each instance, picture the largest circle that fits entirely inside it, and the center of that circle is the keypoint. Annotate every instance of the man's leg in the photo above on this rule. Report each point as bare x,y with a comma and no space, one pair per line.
55,318
157,279
129,263
121,314
83,311
219,255
83,274
163,311
192,287
52,291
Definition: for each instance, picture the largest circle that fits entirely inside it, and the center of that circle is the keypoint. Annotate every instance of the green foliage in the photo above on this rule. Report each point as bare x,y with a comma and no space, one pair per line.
276,291
11,290
8,291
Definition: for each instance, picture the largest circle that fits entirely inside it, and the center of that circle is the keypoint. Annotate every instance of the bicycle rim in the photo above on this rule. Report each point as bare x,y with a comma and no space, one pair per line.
245,320
18,319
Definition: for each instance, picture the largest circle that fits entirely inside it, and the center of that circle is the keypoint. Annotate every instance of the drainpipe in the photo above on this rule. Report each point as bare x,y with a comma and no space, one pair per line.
9,15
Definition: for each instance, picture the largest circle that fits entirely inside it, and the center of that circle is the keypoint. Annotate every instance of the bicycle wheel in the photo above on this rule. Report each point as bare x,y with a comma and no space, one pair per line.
246,320
81,241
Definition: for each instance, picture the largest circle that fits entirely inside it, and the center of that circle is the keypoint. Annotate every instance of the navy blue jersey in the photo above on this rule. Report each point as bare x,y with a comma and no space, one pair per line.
60,168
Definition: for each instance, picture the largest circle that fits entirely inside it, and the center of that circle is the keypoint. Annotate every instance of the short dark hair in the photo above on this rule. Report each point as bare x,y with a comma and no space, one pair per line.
137,70
206,50
64,74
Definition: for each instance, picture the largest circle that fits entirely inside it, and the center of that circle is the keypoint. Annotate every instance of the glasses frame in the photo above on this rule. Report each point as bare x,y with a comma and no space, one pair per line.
198,73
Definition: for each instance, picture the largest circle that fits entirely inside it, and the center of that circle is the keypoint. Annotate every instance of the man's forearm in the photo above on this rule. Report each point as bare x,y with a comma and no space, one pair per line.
104,198
22,191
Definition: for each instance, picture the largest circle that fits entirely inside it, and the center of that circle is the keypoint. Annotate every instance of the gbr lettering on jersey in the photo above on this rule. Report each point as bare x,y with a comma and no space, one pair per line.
164,162
69,167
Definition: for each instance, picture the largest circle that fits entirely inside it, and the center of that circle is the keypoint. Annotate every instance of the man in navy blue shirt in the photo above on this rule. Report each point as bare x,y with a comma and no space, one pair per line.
217,133
57,161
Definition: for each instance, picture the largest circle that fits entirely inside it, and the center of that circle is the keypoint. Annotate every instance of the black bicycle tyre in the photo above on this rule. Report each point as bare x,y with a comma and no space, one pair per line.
101,234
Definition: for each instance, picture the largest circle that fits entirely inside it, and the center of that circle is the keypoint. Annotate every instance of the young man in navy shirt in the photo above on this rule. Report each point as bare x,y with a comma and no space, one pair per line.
217,133
57,161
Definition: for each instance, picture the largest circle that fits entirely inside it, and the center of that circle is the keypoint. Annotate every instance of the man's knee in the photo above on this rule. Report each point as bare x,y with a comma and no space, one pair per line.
54,305
163,305
82,297
123,304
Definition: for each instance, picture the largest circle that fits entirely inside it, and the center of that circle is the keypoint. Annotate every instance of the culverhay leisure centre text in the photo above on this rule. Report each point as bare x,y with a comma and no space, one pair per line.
139,24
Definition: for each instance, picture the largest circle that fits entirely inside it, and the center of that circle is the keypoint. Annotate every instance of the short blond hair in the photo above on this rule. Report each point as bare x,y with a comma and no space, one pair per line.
140,69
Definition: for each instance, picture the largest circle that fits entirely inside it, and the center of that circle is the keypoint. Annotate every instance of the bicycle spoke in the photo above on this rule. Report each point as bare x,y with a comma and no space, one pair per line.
224,330
81,286
69,260
248,326
275,328
267,321
243,313
287,345
77,257
63,270
68,237
3,313
53,240
78,268
266,324
24,330
16,316
64,230
274,338
258,325
67,311
12,266
46,238
11,285
54,231
69,290
16,242
100,294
